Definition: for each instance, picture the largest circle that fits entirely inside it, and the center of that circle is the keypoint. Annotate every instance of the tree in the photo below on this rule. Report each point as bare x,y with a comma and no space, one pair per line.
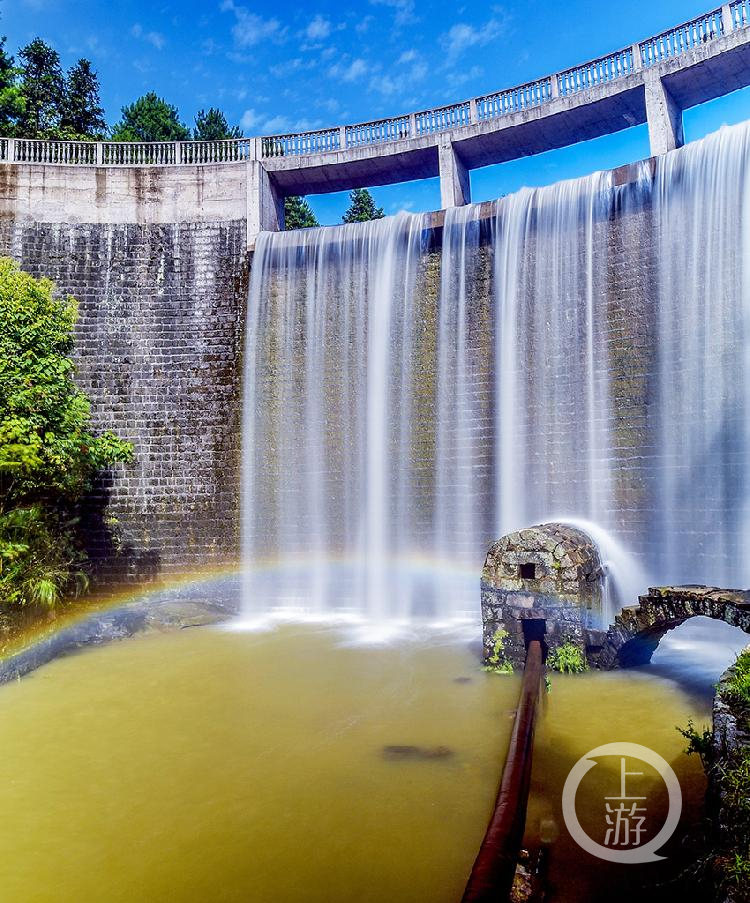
212,125
48,453
298,214
150,118
12,104
43,89
82,112
361,207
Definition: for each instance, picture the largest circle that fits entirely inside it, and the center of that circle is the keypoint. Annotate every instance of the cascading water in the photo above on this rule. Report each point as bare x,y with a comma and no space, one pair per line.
410,396
701,220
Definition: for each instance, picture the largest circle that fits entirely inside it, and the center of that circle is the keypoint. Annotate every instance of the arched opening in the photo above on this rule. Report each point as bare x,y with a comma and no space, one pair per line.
697,652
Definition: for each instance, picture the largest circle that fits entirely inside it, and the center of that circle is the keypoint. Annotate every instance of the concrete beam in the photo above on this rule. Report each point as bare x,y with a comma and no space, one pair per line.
455,186
265,203
664,116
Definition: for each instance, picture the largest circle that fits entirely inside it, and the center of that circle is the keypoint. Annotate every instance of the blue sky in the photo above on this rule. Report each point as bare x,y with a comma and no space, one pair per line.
275,67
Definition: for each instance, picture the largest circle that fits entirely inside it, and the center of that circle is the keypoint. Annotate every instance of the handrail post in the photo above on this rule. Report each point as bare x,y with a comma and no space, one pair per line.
11,156
554,86
342,138
98,153
726,18
637,58
473,118
413,125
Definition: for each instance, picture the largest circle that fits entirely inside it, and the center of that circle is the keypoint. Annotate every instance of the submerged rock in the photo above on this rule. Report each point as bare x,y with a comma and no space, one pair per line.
397,753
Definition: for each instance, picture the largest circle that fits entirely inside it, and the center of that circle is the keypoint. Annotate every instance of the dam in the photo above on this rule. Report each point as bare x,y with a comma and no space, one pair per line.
408,475
397,375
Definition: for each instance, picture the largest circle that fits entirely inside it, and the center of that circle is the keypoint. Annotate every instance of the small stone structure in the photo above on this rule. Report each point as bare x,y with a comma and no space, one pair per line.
637,630
546,583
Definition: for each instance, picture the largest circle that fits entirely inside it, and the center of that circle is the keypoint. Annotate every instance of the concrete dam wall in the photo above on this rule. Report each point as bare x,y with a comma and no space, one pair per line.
157,261
529,336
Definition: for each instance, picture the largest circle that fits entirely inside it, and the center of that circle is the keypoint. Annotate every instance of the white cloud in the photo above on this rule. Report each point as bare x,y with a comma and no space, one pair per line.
318,29
418,68
249,118
408,56
150,37
384,84
363,24
356,69
275,125
286,67
404,10
461,36
250,29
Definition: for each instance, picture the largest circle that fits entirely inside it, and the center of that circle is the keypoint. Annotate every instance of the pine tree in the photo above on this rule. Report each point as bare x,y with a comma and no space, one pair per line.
43,88
298,214
83,113
12,104
212,125
150,118
361,207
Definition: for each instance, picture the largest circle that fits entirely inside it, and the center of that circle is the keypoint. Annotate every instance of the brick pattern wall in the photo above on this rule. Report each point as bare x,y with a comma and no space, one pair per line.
159,347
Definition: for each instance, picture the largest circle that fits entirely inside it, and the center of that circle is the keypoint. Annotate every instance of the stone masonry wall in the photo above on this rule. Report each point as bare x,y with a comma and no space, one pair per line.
159,338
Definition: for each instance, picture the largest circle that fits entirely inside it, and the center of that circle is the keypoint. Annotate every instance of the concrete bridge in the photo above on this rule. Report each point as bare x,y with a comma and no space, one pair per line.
652,81
637,630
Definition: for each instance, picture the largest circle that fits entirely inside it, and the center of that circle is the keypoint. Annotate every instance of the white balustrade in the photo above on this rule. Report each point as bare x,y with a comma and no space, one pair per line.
685,37
597,72
740,13
442,119
514,100
61,152
672,43
303,143
378,132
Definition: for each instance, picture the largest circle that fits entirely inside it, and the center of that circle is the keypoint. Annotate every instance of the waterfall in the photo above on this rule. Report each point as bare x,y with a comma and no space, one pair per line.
703,341
577,352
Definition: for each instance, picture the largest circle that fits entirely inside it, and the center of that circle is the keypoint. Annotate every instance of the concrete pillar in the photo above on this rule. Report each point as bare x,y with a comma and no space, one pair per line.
265,204
664,117
455,187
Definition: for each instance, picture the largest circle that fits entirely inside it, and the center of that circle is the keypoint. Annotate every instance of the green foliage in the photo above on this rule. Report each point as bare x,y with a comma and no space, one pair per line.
150,118
82,109
361,207
298,214
497,661
43,89
39,558
48,454
735,874
737,689
730,868
698,743
567,658
212,125
12,102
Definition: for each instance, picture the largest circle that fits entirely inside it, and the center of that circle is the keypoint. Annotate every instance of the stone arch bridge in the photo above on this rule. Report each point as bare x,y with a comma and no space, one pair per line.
637,630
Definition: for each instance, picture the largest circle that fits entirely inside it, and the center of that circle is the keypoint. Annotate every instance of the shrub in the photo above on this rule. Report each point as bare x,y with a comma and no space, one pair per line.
567,658
48,454
497,662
